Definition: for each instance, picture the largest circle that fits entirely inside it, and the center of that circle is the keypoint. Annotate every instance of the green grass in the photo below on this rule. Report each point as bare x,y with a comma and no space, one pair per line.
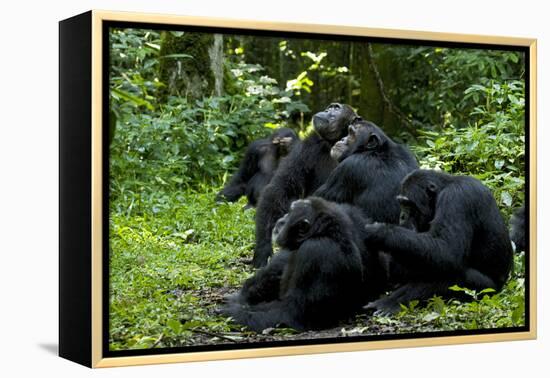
166,262
173,258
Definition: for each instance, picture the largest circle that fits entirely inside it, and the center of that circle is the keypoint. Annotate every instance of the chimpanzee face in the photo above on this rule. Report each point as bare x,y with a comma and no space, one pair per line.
332,123
339,148
417,201
412,217
279,225
362,136
283,139
294,228
284,132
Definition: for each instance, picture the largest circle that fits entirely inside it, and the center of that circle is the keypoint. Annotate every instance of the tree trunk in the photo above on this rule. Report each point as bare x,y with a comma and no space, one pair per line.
216,63
371,103
191,75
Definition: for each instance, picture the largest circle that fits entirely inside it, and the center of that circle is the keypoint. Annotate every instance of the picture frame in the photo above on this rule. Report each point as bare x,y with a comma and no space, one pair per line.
84,201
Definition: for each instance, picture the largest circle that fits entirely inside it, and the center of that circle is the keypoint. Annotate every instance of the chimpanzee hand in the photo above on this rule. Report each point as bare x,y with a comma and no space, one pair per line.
375,234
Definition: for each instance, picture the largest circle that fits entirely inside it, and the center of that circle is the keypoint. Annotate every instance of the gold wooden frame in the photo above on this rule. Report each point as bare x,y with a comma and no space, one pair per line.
97,217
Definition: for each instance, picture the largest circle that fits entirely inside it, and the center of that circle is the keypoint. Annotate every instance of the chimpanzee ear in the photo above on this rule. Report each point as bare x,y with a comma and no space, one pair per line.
431,188
373,142
355,119
404,201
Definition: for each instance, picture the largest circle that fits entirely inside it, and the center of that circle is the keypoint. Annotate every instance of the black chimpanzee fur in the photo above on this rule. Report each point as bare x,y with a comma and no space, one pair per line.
370,172
300,174
318,279
451,233
517,233
261,159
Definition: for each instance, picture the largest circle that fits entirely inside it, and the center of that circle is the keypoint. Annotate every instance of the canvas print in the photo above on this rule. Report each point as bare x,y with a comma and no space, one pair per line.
269,188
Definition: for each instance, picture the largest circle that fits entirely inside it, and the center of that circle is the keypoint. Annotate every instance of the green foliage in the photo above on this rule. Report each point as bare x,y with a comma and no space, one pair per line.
432,81
133,64
179,144
276,104
490,147
171,263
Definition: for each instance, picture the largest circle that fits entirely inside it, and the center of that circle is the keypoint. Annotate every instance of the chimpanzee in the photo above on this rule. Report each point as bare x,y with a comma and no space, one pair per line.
300,174
517,233
317,279
258,166
370,172
264,285
450,233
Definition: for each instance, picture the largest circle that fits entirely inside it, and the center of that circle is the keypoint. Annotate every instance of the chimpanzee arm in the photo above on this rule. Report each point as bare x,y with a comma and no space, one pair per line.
236,187
475,280
420,291
265,284
287,185
517,224
349,179
442,249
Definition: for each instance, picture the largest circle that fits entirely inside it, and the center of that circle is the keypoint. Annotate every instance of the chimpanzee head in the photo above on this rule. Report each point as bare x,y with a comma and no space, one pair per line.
363,137
339,148
294,228
278,227
332,123
309,218
366,137
417,199
284,138
342,147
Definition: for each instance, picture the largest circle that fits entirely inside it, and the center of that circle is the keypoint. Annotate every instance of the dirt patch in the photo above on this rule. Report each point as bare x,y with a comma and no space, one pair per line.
211,297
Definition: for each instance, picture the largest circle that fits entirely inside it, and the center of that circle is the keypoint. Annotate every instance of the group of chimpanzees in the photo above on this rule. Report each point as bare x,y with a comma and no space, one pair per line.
355,218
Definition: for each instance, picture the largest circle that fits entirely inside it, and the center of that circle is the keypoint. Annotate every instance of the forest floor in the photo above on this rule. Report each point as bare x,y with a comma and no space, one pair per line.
173,260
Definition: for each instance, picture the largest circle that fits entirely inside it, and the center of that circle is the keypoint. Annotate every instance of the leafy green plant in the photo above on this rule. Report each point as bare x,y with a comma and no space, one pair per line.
181,143
490,147
432,80
170,267
132,78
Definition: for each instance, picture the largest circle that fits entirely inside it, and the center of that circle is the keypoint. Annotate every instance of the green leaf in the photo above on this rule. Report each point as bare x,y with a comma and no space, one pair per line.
457,288
228,159
184,235
518,313
191,324
430,317
175,325
438,304
153,45
145,342
506,198
123,95
176,56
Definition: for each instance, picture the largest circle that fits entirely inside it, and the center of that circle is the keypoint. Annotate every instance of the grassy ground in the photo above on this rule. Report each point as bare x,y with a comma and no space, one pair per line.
173,259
